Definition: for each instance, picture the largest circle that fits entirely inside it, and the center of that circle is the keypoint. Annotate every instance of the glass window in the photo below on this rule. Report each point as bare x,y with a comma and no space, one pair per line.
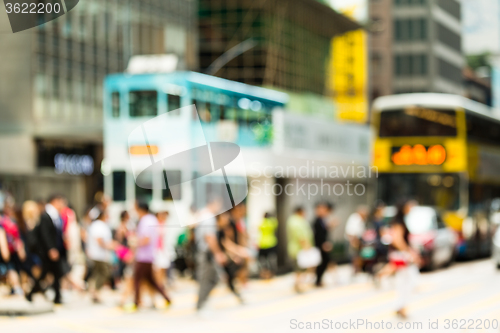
417,121
397,30
254,117
168,193
405,30
143,103
174,104
204,111
69,89
411,64
412,29
397,65
145,194
230,113
222,112
56,87
482,129
119,185
405,64
423,64
115,104
436,190
423,29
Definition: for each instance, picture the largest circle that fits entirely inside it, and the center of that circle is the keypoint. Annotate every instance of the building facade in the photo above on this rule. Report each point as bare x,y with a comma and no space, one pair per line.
51,91
292,41
416,46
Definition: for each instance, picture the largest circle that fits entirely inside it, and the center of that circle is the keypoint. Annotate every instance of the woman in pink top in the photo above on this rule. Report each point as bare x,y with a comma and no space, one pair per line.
145,252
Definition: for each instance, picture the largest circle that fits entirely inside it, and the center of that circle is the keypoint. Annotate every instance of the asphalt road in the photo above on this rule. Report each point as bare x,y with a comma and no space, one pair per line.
462,298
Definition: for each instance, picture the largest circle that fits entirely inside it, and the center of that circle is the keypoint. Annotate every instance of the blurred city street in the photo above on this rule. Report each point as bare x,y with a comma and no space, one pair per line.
464,291
260,165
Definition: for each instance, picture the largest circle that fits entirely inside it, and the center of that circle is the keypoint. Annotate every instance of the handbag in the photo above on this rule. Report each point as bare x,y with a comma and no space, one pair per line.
309,258
400,259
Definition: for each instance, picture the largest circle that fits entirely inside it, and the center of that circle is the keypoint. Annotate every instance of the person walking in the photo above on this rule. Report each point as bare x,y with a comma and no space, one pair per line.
121,236
99,244
125,255
321,229
4,253
238,214
165,249
15,245
403,260
27,220
209,255
376,220
300,237
235,253
268,246
52,249
354,230
147,229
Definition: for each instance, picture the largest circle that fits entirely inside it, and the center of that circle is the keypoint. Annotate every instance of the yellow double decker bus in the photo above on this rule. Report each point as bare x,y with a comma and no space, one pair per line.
443,151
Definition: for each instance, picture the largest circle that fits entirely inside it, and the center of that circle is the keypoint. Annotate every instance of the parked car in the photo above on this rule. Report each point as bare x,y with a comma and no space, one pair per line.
430,235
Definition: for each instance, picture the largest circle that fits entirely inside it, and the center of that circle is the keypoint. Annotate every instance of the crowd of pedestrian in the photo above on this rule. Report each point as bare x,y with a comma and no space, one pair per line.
44,246
39,246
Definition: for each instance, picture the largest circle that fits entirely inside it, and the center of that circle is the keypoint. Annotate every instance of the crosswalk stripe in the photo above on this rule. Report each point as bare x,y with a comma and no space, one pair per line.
428,301
493,314
301,301
475,307
355,306
224,300
80,327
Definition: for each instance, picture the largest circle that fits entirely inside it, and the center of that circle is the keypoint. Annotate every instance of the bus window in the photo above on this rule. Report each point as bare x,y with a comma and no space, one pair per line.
119,185
145,194
222,112
204,112
174,104
230,113
417,121
115,104
437,190
174,193
197,105
143,103
241,116
481,129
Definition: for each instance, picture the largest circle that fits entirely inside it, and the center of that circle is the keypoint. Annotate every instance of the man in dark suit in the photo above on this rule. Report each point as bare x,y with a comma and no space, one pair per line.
51,246
321,230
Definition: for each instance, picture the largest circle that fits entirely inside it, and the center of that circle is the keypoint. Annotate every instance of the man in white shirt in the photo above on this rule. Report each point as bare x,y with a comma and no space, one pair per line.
99,244
354,230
